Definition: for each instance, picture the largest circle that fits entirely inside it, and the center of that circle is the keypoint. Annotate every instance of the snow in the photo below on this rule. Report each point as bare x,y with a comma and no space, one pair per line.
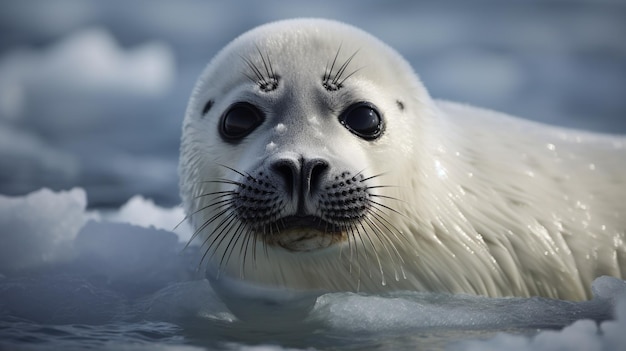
62,264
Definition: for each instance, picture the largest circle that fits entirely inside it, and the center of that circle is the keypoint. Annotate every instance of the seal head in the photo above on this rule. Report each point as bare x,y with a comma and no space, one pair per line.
278,139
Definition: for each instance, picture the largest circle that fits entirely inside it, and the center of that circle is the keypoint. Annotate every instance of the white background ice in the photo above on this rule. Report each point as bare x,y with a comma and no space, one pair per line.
92,95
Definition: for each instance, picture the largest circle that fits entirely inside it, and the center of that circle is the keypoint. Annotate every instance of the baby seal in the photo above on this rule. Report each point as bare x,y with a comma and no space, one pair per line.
313,158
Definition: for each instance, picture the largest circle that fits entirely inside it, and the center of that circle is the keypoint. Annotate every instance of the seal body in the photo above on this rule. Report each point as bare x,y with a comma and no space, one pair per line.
313,158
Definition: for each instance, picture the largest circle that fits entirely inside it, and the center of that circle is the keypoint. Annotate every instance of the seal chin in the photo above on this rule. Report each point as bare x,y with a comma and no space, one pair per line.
305,233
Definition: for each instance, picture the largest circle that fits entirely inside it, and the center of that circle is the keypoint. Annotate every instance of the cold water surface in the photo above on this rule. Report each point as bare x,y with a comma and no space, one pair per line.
77,279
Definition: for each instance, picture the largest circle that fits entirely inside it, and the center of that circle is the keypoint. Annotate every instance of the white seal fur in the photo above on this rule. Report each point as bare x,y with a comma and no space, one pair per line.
451,198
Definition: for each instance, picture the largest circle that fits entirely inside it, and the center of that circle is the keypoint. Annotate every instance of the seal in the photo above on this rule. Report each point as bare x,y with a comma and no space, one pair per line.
313,158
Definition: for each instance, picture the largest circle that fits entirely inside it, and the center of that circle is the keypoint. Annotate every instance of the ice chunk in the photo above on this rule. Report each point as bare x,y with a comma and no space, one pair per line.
134,260
143,212
39,228
608,288
582,335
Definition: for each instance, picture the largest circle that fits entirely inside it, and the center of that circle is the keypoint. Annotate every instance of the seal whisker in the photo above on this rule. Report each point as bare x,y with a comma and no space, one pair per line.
385,206
254,249
255,70
349,75
206,224
234,170
367,252
269,72
267,231
343,67
268,80
379,232
217,204
350,249
219,238
365,179
382,186
397,233
327,75
334,81
223,181
351,246
243,251
251,78
387,197
225,206
357,256
380,266
219,193
232,243
224,222
188,216
213,237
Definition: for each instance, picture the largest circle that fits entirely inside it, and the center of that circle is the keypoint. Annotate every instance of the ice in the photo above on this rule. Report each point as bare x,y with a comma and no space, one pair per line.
67,107
64,266
582,335
398,311
143,212
39,229
139,260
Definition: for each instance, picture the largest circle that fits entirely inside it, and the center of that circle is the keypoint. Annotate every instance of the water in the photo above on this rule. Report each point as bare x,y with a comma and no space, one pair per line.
185,315
82,279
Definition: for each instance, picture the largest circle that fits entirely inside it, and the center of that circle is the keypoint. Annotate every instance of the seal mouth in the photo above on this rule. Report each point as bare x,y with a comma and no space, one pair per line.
311,222
304,233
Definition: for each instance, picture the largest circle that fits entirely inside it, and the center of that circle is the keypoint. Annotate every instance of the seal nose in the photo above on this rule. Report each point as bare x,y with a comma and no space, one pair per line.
301,176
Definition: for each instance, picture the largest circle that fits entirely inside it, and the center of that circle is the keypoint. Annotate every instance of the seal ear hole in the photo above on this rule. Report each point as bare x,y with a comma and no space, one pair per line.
207,107
239,120
400,105
363,120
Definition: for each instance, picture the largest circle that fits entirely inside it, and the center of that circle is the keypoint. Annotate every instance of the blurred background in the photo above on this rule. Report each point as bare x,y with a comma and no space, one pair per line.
92,93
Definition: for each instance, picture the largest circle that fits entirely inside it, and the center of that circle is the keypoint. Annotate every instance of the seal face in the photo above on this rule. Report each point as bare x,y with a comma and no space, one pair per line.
290,200
313,158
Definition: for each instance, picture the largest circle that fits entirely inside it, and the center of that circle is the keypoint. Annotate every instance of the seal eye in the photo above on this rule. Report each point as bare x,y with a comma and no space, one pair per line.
363,120
239,120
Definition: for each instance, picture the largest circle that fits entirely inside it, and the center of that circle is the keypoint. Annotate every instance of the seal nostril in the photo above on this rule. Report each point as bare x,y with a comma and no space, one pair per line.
289,172
315,169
